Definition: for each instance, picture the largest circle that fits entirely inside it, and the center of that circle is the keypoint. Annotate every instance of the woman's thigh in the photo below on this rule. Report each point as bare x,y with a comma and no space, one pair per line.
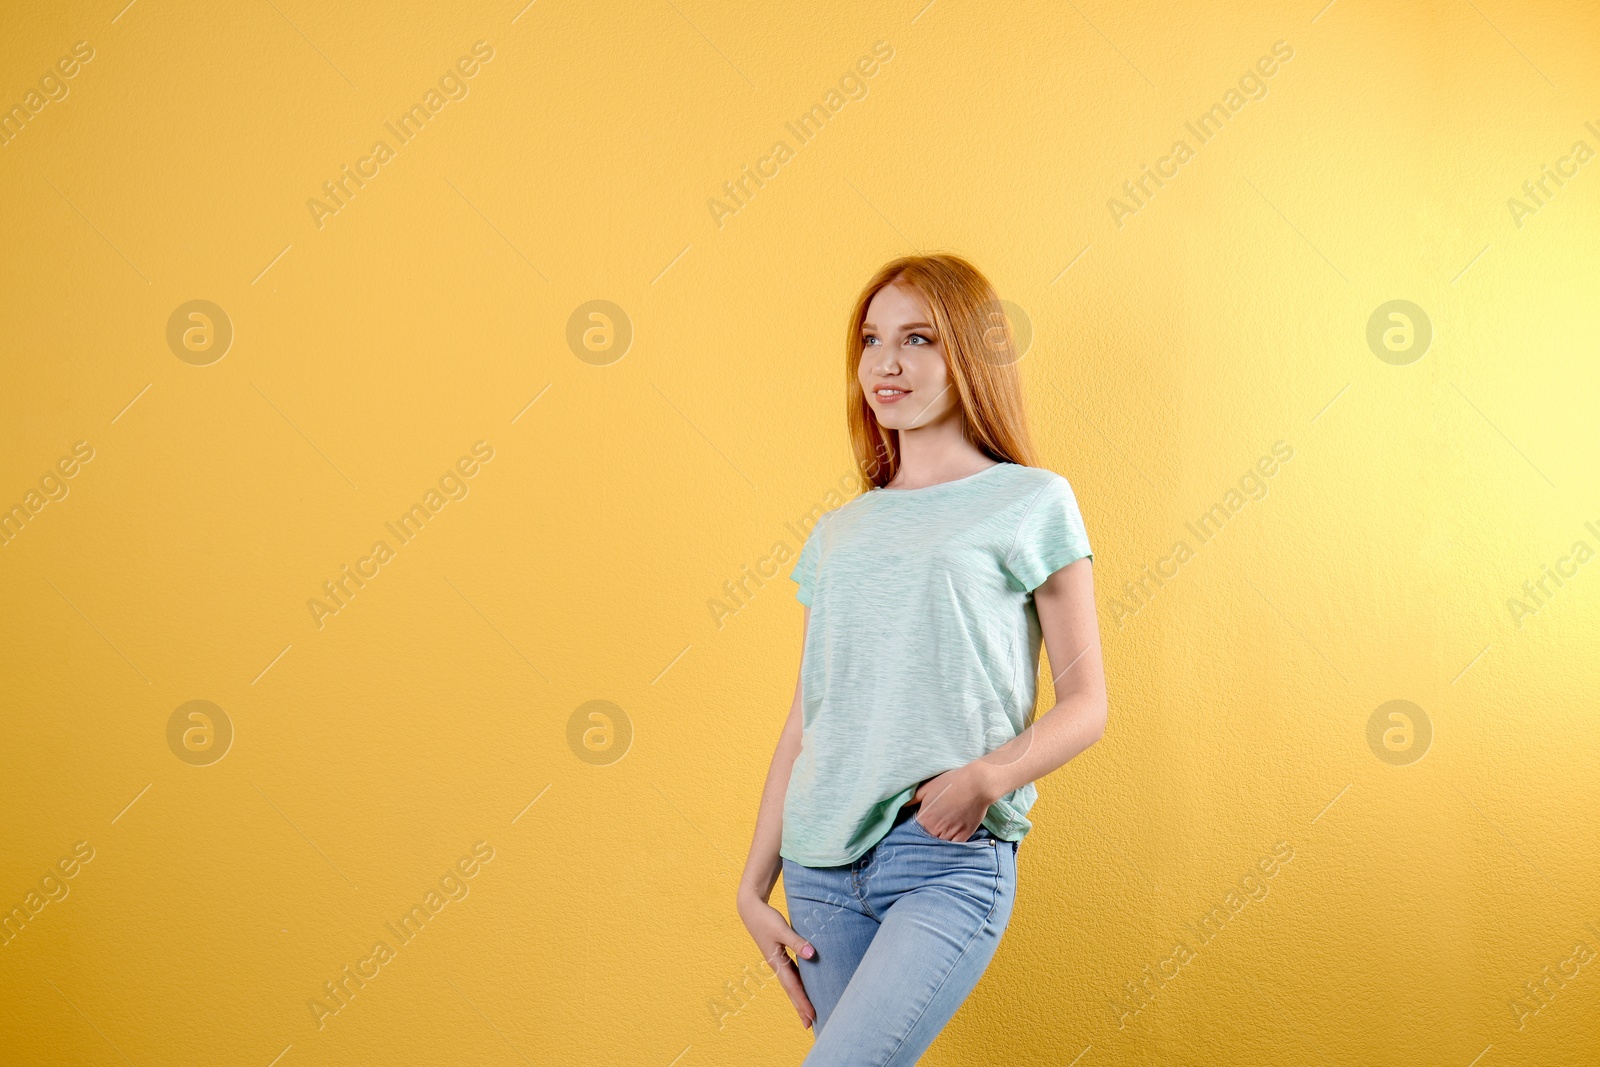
824,908
944,906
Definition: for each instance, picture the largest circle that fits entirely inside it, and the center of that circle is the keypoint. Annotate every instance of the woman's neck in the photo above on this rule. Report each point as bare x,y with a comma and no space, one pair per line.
933,454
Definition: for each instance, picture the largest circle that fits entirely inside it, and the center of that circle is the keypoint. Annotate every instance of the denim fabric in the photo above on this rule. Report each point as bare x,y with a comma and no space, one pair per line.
902,936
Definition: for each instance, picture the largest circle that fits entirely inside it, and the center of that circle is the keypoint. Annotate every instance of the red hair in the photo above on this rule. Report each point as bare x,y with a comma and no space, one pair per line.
980,357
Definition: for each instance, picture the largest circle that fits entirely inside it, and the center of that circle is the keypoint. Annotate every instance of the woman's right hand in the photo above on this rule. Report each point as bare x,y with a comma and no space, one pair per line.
776,939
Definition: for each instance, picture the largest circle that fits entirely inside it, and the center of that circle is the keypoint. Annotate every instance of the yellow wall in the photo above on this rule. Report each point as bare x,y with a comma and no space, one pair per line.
375,346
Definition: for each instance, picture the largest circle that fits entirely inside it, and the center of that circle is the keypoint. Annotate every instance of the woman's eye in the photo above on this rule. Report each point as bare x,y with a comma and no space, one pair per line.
919,337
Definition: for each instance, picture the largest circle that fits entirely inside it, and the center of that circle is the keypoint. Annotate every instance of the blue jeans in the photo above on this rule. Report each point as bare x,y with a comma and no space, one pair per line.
902,935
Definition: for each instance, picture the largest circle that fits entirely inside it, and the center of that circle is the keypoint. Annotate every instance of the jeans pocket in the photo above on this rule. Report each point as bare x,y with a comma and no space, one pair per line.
981,838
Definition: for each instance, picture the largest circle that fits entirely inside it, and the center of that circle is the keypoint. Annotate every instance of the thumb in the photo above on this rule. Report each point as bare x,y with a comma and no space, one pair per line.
917,797
799,945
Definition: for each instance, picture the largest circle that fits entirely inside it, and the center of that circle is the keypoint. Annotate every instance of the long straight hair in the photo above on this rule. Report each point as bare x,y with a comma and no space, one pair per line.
980,356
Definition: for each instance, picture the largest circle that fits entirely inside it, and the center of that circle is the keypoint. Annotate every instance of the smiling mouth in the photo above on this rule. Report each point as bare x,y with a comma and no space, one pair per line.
890,395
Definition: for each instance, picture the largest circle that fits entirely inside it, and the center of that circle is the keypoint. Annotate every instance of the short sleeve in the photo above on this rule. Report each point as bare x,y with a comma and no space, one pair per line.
1049,536
804,573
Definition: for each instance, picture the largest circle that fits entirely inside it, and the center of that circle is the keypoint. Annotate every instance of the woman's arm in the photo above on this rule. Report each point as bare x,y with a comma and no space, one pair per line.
763,866
1065,603
955,802
771,931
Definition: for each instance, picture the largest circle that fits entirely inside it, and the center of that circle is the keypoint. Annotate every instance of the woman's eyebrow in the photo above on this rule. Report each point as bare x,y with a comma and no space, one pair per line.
907,326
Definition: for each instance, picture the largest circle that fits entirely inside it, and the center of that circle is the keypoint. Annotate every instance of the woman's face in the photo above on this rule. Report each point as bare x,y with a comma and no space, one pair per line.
902,354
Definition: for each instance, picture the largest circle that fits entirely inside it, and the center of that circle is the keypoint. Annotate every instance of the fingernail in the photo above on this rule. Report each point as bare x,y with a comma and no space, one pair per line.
808,952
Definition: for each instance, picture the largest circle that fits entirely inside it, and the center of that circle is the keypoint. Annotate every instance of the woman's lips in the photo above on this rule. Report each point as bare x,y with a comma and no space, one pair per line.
892,398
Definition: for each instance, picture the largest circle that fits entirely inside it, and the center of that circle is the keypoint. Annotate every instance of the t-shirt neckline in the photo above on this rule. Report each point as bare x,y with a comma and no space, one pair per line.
952,481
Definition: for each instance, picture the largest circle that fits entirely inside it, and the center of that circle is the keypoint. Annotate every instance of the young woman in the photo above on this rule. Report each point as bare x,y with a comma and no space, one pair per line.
902,779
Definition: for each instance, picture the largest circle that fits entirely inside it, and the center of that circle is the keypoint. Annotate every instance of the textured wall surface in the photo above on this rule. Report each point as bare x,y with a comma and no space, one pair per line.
383,384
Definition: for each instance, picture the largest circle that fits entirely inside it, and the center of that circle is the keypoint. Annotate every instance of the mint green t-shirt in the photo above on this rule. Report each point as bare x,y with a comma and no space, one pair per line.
923,649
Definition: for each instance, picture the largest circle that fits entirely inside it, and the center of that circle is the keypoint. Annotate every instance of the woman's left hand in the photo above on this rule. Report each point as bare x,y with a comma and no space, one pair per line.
954,803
